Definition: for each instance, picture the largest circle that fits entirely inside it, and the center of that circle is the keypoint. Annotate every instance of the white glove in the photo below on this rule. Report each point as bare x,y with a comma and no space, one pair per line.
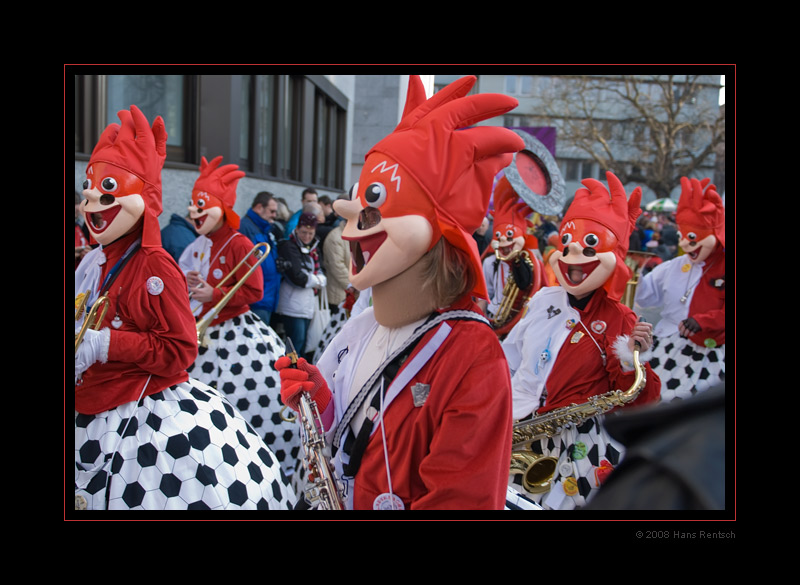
624,353
93,348
316,281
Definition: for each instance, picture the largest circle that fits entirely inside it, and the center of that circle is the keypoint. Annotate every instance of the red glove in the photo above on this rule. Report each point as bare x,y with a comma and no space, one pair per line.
303,378
349,300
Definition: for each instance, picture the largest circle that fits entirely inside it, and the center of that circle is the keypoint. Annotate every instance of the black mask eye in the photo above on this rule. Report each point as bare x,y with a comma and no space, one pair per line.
109,184
201,203
565,240
375,195
353,192
87,183
591,240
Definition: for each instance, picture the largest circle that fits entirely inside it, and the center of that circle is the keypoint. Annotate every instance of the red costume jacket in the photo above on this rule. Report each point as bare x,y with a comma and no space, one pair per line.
579,372
228,247
453,451
156,336
708,301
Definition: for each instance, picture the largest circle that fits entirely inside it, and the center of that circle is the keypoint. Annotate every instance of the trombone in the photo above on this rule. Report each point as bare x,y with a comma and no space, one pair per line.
93,320
212,314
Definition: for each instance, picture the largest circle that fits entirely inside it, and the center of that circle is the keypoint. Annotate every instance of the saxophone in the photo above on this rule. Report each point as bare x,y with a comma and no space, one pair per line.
324,491
537,470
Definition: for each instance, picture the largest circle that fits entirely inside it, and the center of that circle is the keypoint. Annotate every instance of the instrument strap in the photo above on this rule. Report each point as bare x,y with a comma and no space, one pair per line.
117,268
355,445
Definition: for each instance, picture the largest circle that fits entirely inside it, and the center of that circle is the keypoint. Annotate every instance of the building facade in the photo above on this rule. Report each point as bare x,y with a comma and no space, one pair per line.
290,131
287,132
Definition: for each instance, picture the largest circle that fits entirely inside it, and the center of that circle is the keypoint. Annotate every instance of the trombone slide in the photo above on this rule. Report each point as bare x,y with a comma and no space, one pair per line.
212,314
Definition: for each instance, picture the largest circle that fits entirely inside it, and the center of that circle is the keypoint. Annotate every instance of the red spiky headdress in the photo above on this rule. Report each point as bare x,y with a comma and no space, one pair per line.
136,147
220,182
613,209
700,208
510,209
454,165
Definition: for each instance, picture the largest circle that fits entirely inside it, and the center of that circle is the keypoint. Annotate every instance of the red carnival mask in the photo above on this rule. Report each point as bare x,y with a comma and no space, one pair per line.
126,163
430,178
113,202
700,217
214,195
595,234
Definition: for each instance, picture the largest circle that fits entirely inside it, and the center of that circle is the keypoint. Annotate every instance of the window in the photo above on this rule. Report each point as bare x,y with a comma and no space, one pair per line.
573,170
521,85
577,170
268,127
328,142
154,95
291,128
284,127
98,98
289,139
79,120
257,125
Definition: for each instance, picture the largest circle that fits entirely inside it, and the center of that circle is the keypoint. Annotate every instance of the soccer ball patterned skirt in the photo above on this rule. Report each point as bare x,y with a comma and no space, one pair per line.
685,368
239,362
585,455
184,448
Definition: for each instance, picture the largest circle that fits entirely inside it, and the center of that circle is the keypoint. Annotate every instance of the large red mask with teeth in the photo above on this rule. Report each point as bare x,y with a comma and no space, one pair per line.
389,223
594,238
113,203
701,218
430,178
123,179
587,256
214,195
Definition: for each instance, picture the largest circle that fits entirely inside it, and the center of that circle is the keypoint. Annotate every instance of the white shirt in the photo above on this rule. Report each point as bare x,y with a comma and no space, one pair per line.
664,286
383,342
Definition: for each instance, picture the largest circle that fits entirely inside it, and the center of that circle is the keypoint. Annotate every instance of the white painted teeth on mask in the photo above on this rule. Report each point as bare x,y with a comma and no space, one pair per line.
365,254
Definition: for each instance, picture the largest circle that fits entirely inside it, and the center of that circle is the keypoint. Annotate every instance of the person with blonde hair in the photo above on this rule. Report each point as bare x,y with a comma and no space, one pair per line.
415,389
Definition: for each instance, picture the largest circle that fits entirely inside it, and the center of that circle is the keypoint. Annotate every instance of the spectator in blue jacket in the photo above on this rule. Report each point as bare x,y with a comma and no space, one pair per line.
178,234
257,225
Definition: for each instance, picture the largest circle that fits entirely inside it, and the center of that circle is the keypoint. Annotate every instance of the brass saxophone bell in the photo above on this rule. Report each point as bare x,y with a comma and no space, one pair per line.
537,470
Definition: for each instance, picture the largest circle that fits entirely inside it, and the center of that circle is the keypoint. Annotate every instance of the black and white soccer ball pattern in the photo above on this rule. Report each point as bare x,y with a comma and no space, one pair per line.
685,368
240,362
184,448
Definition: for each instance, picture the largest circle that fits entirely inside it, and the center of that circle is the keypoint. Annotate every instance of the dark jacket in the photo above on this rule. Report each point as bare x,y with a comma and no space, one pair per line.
176,235
260,230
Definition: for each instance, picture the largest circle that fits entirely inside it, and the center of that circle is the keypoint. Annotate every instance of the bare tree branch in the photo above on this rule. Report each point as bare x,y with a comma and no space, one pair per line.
651,130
